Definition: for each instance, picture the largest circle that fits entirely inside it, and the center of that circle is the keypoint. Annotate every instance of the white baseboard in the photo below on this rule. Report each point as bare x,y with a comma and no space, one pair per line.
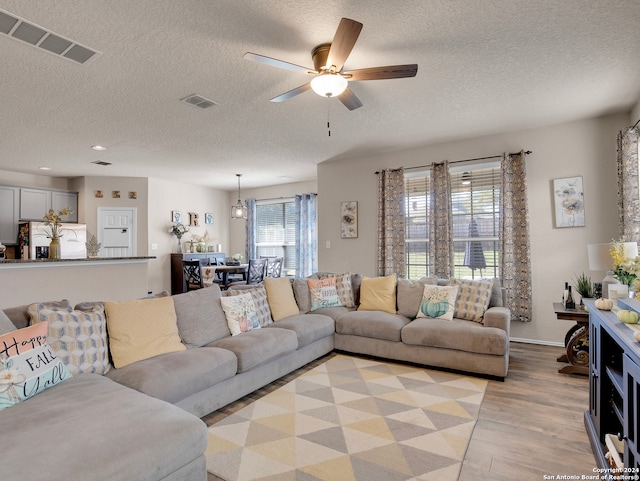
535,341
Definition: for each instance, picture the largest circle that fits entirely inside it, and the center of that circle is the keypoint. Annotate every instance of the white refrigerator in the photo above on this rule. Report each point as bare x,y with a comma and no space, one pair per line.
72,243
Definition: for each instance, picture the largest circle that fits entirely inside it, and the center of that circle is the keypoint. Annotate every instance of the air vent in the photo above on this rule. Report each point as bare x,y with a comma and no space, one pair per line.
198,101
39,37
101,162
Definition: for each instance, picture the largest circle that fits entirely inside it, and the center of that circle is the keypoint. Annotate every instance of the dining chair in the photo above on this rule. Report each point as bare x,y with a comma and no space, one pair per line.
192,275
274,267
255,272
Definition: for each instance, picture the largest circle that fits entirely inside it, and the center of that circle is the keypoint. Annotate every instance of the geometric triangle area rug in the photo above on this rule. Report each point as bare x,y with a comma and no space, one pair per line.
351,419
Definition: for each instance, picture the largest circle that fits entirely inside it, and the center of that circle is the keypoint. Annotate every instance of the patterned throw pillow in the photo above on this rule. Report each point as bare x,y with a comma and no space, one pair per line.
259,295
79,338
241,313
473,298
28,365
343,286
438,302
323,293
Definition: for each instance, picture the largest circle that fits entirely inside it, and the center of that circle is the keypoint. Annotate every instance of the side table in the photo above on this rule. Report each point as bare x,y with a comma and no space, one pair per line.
576,340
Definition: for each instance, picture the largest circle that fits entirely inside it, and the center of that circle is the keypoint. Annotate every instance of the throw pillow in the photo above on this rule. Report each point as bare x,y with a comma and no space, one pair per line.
343,286
323,293
259,295
378,294
5,323
201,319
301,293
280,297
409,295
473,298
28,365
78,337
241,313
438,302
141,329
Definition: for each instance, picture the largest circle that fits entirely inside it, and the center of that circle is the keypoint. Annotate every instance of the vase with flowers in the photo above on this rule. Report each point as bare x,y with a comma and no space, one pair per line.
625,269
178,229
53,230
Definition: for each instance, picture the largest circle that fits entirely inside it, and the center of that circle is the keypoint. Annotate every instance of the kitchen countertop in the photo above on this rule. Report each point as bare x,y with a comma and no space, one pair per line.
14,262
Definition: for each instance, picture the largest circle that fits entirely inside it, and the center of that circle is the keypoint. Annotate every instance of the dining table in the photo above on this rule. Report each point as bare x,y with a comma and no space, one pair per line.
210,274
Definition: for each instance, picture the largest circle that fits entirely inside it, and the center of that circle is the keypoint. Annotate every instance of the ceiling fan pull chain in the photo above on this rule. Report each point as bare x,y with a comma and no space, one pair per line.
329,116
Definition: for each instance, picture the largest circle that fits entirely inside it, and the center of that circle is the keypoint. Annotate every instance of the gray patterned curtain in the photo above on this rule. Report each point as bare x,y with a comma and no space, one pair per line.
391,222
440,222
515,258
628,185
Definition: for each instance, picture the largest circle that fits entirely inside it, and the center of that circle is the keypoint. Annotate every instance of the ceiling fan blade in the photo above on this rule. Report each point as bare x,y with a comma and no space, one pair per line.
291,93
343,42
349,99
273,62
381,73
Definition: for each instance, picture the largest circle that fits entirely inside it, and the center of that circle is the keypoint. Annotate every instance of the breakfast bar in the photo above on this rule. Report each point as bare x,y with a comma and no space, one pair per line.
95,278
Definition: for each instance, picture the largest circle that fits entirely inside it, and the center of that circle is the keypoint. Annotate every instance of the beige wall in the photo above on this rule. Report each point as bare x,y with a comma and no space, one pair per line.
237,234
586,148
166,196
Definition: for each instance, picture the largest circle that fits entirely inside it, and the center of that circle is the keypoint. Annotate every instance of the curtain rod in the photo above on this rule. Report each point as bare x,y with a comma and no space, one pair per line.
638,122
285,197
470,160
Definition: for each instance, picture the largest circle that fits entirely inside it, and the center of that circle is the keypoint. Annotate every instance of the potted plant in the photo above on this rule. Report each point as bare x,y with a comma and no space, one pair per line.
584,287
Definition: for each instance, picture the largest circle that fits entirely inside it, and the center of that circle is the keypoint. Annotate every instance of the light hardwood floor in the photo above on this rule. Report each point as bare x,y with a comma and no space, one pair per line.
529,426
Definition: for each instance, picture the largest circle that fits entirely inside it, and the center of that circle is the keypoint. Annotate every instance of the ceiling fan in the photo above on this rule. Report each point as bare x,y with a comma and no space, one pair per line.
329,80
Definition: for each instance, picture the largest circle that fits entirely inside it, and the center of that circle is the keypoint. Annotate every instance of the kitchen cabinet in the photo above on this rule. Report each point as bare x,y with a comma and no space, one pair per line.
10,202
35,203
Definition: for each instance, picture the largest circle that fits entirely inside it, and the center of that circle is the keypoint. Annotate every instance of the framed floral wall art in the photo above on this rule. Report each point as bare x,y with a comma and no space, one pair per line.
568,198
349,219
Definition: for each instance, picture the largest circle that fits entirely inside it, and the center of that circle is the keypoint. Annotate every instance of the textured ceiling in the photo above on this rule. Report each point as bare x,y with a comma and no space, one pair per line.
485,66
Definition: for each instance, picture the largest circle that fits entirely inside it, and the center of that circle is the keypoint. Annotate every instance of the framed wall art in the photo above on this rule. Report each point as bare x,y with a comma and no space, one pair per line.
176,216
568,196
208,218
349,219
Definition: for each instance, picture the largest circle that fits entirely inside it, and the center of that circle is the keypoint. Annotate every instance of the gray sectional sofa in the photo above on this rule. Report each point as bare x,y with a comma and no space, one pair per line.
141,421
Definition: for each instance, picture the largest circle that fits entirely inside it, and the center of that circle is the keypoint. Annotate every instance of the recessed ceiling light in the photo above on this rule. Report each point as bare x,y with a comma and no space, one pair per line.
45,168
98,147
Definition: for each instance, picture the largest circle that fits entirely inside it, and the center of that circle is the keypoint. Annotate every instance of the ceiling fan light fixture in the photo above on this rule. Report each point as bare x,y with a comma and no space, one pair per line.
329,84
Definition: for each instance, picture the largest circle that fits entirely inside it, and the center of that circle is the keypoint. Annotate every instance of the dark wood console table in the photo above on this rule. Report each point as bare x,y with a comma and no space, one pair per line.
576,341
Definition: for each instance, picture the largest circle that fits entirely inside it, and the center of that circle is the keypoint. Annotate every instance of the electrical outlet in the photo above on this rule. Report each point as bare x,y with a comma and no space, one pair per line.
154,247
327,244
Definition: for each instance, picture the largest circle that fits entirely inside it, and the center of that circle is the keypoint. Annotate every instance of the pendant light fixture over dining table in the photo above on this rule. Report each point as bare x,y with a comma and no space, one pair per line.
239,211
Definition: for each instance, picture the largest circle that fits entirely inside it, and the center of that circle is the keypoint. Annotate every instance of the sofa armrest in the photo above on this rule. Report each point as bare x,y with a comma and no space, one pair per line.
498,317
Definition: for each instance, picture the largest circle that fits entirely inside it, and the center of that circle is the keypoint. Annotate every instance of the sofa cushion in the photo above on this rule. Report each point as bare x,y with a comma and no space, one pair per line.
19,315
78,337
259,347
308,327
458,335
374,324
201,319
28,365
141,329
177,375
5,323
410,295
438,302
473,298
282,302
378,294
91,428
334,312
301,293
241,313
323,293
259,295
497,295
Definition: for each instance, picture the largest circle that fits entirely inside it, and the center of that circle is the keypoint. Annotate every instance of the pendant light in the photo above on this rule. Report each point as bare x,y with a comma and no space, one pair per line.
239,211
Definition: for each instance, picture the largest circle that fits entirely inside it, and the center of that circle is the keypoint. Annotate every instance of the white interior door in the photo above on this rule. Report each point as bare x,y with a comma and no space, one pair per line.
117,228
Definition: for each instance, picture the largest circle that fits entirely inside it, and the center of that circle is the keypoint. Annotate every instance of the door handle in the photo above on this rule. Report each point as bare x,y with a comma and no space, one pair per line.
124,231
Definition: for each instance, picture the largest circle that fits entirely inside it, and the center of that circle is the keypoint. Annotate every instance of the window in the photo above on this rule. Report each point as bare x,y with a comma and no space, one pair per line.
475,204
276,232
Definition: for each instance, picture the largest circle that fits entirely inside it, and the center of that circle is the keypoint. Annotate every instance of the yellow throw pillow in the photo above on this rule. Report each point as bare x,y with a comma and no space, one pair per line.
280,297
378,294
142,329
